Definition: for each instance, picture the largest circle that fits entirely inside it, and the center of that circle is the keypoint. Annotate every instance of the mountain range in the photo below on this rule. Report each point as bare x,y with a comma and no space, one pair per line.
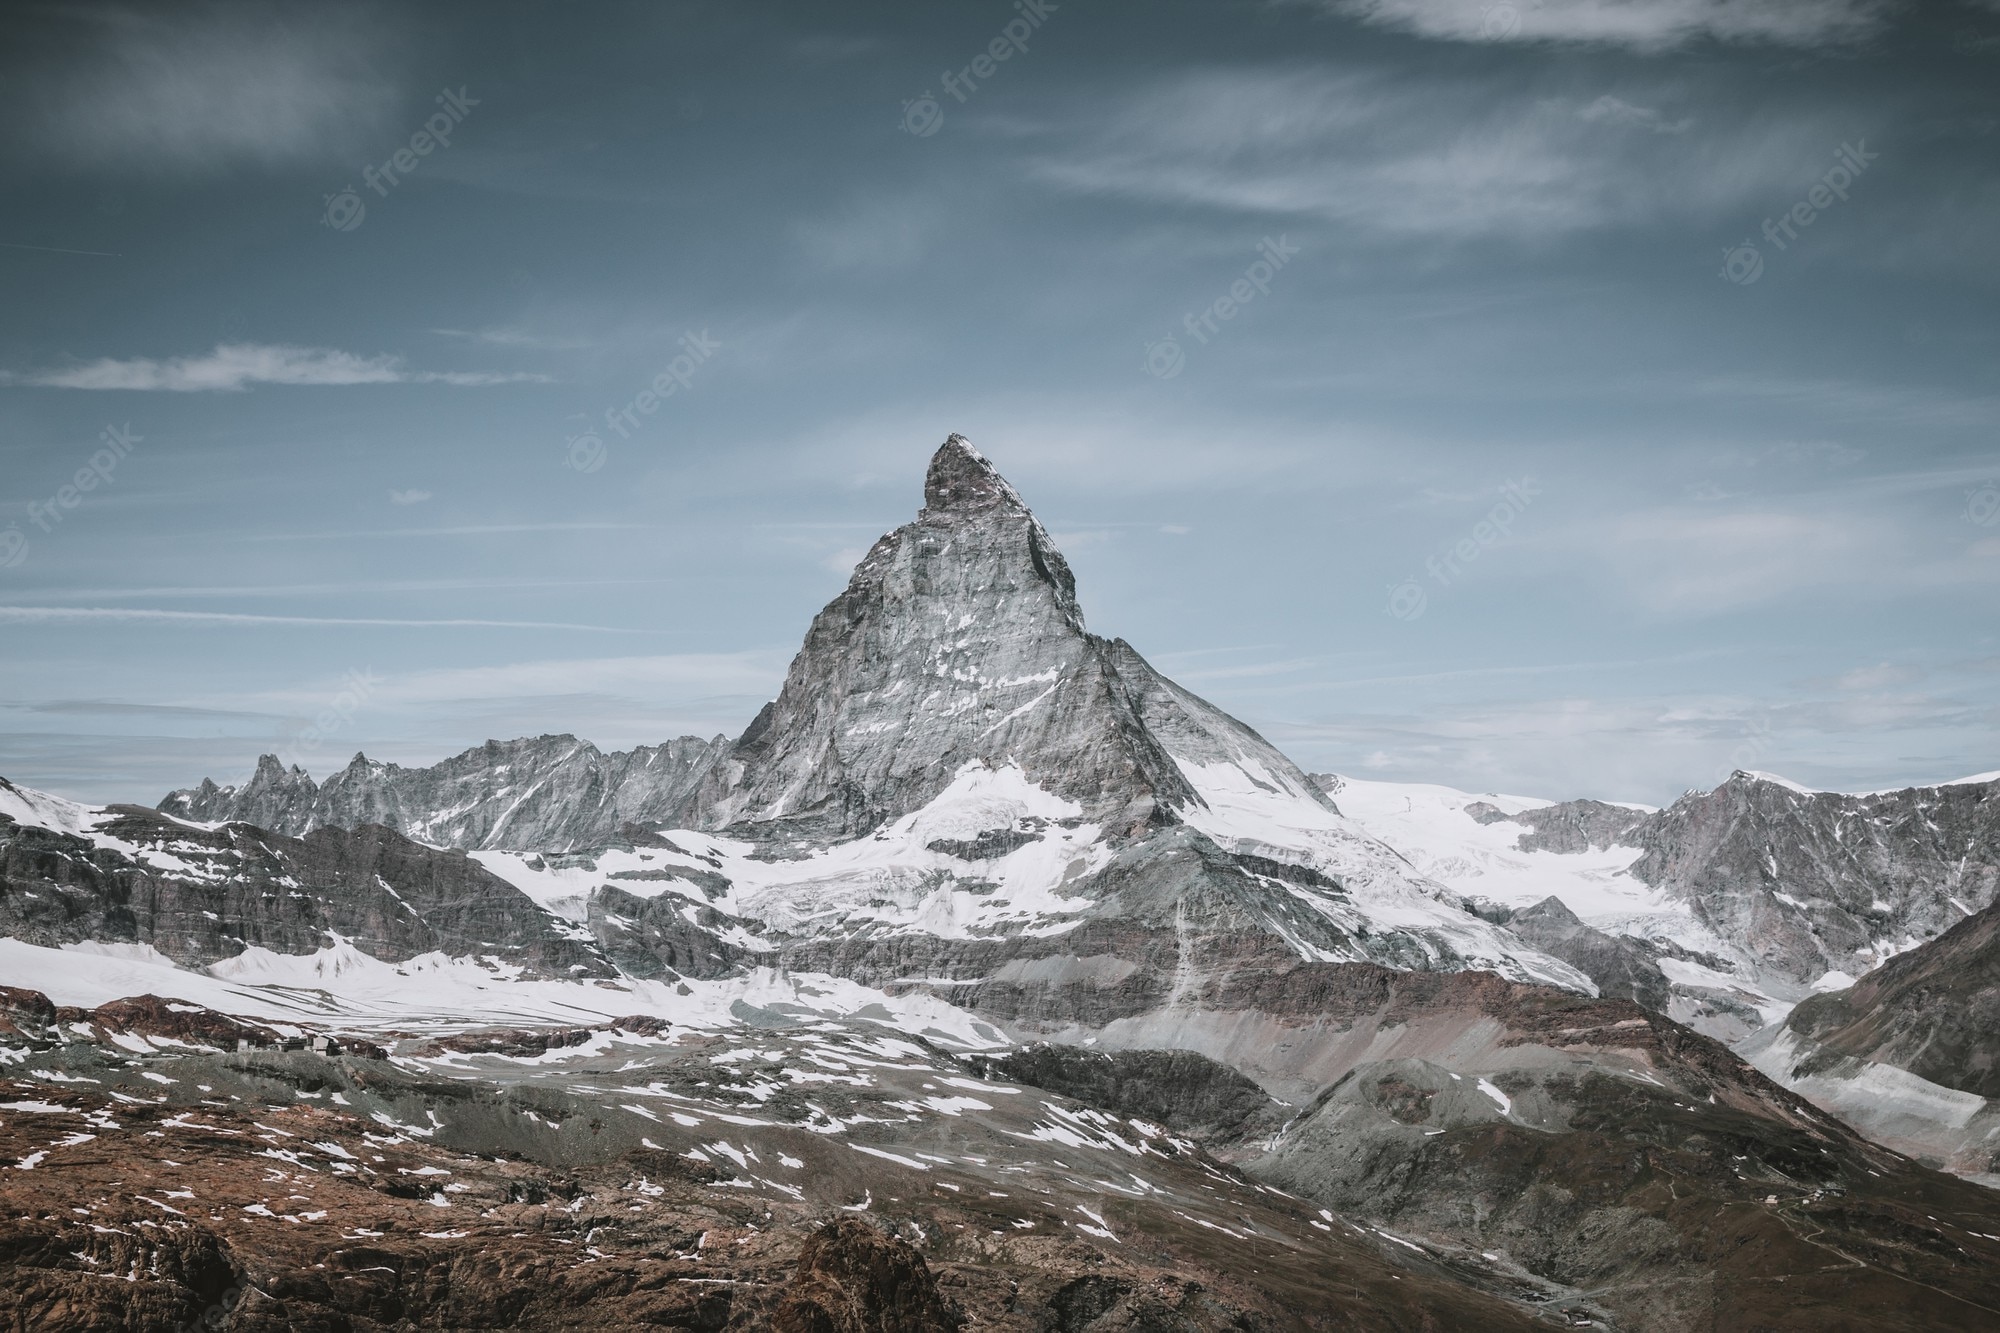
1101,1010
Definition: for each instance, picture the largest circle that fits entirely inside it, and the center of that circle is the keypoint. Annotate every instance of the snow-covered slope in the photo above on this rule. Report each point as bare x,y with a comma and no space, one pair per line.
1475,844
1751,897
994,859
1440,831
340,988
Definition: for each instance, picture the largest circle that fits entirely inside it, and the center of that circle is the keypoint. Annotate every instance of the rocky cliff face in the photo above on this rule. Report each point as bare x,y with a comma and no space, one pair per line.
1817,882
73,874
546,793
1618,964
961,784
1934,1011
958,641
1911,1052
1747,898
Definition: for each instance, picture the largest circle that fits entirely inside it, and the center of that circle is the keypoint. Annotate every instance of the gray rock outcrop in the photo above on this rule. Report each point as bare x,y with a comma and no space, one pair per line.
543,793
1812,882
200,896
960,640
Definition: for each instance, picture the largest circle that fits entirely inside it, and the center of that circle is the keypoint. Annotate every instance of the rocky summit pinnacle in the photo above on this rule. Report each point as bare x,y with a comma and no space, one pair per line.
959,641
960,478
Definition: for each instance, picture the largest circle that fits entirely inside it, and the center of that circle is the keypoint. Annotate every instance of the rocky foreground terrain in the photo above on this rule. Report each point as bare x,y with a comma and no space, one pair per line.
989,979
173,1165
817,1177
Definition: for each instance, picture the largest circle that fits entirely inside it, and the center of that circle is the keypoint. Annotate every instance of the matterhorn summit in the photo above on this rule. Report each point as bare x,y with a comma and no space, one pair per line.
959,641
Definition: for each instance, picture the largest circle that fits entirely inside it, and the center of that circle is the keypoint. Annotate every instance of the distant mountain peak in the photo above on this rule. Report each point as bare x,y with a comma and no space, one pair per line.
961,479
958,640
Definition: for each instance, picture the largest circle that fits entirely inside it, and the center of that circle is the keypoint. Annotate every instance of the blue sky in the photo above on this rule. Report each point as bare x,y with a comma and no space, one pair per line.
1755,516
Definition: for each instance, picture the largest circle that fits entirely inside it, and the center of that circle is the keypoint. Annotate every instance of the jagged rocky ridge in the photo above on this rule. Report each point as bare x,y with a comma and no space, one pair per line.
1816,882
1807,882
546,793
72,874
1741,900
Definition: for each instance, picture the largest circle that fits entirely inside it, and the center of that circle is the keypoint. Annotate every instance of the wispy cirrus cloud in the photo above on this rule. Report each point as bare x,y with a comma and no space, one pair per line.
233,367
518,337
120,708
1406,155
132,614
1644,25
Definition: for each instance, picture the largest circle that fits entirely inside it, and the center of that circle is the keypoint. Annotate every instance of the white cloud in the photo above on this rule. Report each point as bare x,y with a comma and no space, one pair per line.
872,232
207,87
408,497
1879,677
1683,561
235,366
129,615
652,677
1425,158
1645,25
516,336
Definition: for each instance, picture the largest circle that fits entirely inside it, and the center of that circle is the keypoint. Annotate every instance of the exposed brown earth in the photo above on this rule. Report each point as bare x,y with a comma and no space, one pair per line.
260,1192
